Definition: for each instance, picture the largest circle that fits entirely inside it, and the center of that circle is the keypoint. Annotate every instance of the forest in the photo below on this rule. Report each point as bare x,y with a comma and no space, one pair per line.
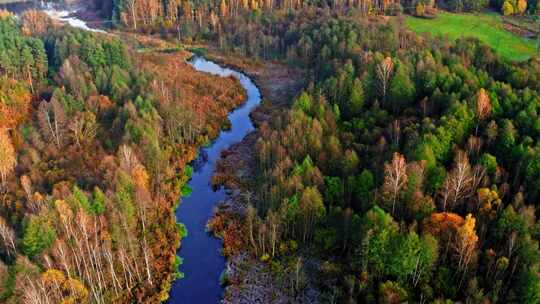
201,19
94,147
406,170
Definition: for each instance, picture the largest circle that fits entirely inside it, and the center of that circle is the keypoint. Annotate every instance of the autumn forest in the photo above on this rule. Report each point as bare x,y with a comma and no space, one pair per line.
386,166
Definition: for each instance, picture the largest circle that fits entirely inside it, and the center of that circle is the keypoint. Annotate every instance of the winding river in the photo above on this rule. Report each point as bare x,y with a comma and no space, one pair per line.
203,262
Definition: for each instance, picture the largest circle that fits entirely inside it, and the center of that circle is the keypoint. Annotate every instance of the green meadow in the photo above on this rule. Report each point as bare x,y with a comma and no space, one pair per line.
487,27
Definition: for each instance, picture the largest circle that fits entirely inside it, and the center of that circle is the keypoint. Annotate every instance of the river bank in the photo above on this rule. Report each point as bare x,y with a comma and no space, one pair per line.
188,109
249,278
203,262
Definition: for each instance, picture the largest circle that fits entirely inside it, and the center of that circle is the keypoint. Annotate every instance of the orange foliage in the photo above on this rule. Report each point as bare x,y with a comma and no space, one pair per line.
230,230
35,22
176,83
14,102
442,222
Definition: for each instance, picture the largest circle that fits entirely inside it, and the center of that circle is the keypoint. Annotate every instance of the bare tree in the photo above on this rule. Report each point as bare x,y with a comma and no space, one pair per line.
132,8
483,107
458,184
52,120
395,179
384,72
8,237
83,128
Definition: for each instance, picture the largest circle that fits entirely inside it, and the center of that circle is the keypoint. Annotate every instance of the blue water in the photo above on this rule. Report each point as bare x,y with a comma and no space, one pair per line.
203,262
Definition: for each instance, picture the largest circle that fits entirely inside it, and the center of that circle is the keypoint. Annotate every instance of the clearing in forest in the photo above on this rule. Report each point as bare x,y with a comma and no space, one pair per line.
487,27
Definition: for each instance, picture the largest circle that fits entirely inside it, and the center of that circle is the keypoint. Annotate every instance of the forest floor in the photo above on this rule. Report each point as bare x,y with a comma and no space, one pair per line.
487,27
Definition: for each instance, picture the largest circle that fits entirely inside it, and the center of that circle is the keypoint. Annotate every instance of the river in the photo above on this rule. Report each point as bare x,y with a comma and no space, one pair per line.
62,13
201,252
203,262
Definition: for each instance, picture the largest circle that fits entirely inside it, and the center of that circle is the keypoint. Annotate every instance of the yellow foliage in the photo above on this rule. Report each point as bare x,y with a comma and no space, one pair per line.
140,176
466,242
69,300
420,9
14,102
488,199
5,14
77,290
507,8
483,105
521,6
8,158
53,277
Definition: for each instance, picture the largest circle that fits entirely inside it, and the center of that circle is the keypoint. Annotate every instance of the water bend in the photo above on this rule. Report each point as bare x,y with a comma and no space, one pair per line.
203,262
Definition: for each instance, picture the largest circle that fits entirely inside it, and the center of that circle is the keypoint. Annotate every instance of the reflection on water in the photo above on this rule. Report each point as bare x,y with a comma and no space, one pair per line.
203,262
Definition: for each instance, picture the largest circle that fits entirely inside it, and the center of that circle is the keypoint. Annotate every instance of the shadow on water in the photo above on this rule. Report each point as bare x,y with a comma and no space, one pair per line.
203,262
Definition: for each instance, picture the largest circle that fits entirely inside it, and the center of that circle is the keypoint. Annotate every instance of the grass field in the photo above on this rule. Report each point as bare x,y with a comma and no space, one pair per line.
487,27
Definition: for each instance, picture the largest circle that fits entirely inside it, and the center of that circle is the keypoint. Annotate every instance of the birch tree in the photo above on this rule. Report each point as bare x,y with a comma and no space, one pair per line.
395,179
8,158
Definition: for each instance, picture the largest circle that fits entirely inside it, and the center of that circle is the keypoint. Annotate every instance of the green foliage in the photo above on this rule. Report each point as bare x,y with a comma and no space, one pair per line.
182,230
364,185
186,191
508,222
444,282
333,194
201,52
303,102
380,229
326,239
188,171
95,205
119,84
124,196
98,201
356,99
391,253
82,199
530,282
38,236
97,52
402,90
178,275
489,162
21,56
532,173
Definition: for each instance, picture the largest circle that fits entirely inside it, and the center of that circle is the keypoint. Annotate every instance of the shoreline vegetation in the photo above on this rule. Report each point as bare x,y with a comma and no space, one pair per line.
386,167
247,279
103,139
163,61
251,275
